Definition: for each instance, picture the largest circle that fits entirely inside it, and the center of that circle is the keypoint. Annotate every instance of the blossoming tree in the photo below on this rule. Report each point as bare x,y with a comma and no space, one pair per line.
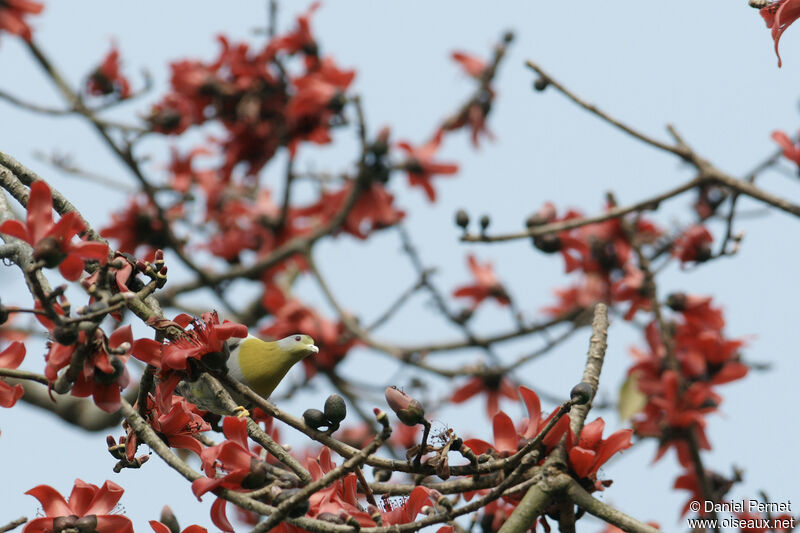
113,298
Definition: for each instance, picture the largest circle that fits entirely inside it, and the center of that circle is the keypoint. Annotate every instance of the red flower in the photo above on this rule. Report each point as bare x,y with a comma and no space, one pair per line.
107,79
172,115
176,424
591,451
591,289
300,40
372,211
779,16
138,225
631,288
103,375
206,336
472,65
791,150
11,357
697,310
421,167
88,509
507,438
694,244
319,96
52,241
486,285
12,14
182,175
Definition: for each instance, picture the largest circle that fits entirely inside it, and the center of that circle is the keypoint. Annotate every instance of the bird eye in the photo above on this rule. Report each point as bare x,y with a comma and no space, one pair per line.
297,338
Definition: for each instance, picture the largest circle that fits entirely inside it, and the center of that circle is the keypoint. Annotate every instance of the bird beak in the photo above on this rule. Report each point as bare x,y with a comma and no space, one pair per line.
313,348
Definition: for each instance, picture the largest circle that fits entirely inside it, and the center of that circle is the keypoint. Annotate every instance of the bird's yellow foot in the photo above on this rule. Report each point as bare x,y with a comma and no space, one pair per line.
241,412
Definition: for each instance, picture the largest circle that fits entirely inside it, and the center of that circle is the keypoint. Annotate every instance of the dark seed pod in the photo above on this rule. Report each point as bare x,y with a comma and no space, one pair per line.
541,84
65,335
257,477
485,221
381,474
462,219
315,418
677,301
335,408
107,378
49,251
581,393
297,510
168,519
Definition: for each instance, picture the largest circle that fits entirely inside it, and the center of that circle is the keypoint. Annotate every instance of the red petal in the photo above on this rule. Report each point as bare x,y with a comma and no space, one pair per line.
12,356
53,503
534,407
205,484
40,211
185,442
9,395
16,229
106,397
618,441
235,429
478,446
71,267
158,527
148,351
119,336
91,250
105,499
554,435
581,461
218,516
468,390
592,434
505,435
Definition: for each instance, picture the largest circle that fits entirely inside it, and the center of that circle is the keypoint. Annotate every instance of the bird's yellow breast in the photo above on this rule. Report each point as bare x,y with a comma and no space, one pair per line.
263,365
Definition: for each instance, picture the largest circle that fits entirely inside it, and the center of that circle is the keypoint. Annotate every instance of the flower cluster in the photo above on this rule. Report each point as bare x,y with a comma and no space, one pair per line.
602,253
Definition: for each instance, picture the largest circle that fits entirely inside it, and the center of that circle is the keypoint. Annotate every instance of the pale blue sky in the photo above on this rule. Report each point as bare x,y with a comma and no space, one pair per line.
706,67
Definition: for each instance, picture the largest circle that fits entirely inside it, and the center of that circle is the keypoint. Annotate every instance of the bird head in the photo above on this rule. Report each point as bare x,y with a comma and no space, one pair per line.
298,345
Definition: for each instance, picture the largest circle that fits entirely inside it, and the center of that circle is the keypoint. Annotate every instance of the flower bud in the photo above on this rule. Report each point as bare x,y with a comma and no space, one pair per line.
408,410
168,519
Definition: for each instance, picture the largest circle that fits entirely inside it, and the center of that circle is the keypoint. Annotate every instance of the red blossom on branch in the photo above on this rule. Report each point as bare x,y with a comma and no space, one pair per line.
107,78
11,357
104,374
87,509
693,245
13,14
422,168
590,451
486,285
472,65
507,438
52,241
779,16
791,149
